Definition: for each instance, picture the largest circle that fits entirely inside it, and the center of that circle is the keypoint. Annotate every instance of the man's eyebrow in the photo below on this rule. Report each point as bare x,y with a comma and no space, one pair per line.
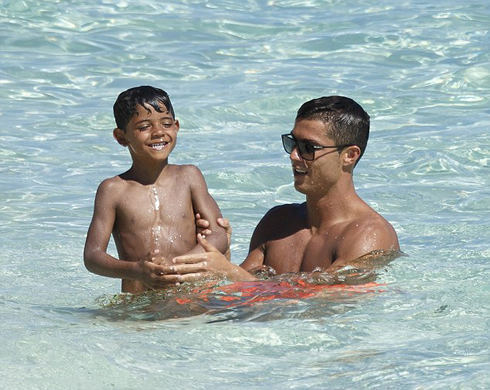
312,141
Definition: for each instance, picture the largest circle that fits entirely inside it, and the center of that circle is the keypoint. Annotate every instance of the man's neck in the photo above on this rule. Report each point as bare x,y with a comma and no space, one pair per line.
336,205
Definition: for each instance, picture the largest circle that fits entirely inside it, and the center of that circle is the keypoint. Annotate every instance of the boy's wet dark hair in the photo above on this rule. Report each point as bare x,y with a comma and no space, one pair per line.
126,103
347,120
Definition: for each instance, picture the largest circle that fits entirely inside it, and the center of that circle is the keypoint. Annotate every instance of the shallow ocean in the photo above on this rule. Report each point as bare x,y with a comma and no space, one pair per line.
237,71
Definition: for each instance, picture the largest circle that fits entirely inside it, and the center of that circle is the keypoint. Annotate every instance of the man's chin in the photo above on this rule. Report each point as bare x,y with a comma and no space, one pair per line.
300,187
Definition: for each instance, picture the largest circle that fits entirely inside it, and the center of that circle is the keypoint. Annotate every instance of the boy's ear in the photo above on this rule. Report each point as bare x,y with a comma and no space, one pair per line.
177,124
120,137
351,155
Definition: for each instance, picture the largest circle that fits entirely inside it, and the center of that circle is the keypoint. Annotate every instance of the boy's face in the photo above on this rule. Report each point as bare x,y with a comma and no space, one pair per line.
149,134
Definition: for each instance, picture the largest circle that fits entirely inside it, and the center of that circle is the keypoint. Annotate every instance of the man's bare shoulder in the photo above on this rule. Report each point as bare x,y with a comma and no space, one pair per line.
280,222
364,237
286,213
372,232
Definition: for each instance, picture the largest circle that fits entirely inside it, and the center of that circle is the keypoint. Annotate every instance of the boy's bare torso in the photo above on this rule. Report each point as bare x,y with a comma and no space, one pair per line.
153,217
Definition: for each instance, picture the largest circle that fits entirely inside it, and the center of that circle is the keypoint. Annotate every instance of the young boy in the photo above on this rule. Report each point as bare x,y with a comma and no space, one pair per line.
150,209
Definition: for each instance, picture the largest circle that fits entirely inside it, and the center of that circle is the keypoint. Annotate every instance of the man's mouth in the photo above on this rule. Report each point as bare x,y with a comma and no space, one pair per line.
299,171
159,146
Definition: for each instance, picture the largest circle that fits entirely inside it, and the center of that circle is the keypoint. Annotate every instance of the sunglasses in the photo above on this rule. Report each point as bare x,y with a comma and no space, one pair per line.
305,149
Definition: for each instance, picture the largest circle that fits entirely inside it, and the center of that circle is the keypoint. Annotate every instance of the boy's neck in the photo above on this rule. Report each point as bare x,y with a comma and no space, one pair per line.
145,174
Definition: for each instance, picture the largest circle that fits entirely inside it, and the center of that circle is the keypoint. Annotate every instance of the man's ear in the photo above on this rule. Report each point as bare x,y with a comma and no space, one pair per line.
120,137
177,124
351,155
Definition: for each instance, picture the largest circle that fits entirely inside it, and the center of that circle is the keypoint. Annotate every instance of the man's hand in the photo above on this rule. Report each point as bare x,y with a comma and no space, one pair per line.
212,262
203,229
196,266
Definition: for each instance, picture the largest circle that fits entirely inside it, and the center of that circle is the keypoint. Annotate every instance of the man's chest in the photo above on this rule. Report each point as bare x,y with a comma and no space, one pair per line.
302,252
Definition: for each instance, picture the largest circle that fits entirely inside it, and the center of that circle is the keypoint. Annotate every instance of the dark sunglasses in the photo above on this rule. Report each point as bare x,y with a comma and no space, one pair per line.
306,149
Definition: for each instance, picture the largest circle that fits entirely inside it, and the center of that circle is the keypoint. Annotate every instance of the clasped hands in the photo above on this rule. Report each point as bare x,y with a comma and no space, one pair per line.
157,272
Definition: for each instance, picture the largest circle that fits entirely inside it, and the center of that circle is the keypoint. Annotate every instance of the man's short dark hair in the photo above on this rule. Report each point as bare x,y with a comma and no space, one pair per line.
346,121
127,102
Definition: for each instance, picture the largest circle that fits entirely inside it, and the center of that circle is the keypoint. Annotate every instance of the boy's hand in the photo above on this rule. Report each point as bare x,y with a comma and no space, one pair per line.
203,225
153,273
156,259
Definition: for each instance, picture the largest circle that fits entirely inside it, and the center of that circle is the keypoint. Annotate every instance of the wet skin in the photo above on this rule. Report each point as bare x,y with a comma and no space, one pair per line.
332,229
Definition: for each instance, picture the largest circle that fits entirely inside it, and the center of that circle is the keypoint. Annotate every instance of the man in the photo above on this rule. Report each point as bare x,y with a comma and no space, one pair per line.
334,227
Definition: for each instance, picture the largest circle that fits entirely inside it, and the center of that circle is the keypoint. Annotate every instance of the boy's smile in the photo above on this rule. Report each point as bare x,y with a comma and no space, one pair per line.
159,146
150,134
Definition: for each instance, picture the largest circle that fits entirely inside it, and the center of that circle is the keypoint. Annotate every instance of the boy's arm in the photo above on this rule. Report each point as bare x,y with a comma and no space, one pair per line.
98,261
205,205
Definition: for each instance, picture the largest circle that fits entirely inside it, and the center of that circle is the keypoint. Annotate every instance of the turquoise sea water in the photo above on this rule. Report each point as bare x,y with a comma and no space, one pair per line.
237,71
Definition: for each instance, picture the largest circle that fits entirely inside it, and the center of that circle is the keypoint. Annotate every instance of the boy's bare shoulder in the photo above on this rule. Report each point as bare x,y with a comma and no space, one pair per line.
187,172
186,168
111,189
112,184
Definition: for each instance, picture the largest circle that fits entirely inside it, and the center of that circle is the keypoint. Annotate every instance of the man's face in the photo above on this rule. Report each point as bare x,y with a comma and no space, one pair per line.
316,176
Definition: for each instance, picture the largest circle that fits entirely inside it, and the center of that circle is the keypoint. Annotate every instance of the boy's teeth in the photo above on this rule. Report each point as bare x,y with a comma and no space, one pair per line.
159,145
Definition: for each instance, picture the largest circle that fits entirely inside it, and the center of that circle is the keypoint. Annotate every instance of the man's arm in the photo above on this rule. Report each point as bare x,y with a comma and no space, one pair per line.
362,238
194,266
256,249
96,258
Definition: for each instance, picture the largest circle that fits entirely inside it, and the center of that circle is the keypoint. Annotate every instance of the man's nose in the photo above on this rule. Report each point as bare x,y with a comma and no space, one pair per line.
295,156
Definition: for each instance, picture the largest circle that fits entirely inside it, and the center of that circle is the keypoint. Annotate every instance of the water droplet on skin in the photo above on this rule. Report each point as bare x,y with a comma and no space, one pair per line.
157,200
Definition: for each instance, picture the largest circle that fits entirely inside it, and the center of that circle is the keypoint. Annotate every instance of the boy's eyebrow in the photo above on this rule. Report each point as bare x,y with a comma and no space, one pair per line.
147,120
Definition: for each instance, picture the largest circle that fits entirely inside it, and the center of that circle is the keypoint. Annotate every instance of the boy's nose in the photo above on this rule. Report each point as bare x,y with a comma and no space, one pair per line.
159,130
